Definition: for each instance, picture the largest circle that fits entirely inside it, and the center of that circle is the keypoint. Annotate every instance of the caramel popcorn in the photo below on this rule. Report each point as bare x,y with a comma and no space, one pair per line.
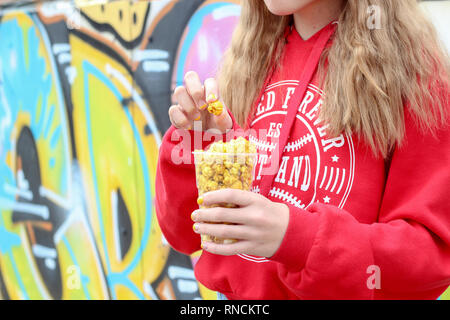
215,106
225,166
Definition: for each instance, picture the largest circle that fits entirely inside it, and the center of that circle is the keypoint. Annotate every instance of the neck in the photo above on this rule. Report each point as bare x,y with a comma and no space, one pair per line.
316,15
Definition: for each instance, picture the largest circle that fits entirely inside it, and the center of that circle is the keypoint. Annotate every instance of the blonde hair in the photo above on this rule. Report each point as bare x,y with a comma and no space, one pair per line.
368,76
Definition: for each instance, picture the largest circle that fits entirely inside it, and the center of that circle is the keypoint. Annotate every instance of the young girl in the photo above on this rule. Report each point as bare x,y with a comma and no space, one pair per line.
348,101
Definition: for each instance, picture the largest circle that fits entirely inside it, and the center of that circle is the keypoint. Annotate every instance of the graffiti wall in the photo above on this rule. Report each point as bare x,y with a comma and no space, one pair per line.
84,91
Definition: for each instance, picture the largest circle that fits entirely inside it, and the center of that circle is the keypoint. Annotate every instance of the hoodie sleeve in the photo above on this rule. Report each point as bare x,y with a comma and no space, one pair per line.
326,253
176,188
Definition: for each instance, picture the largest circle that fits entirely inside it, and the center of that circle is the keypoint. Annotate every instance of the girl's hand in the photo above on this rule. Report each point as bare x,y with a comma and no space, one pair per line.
192,102
259,224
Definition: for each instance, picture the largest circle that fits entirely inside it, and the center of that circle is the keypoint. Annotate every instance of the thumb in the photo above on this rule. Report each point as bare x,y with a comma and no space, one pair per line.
223,121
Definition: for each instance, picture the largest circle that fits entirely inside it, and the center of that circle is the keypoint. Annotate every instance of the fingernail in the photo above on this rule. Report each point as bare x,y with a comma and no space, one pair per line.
200,201
211,98
193,215
199,117
204,245
195,227
203,106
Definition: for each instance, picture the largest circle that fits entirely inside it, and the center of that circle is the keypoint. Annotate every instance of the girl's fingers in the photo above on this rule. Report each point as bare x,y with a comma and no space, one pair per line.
239,247
223,121
195,88
234,196
183,98
223,231
194,98
220,214
211,90
178,118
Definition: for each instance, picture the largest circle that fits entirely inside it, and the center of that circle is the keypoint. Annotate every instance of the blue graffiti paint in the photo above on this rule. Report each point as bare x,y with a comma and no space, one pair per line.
25,87
8,240
21,92
65,176
52,162
48,121
55,137
121,279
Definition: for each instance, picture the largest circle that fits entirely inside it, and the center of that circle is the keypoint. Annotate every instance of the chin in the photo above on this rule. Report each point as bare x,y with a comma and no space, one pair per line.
286,7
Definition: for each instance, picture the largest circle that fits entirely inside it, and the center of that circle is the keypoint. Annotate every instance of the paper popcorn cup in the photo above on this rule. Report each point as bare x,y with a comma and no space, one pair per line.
225,166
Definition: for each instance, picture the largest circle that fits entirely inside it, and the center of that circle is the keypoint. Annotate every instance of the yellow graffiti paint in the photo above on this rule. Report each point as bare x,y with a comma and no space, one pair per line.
20,256
110,162
87,265
20,272
113,169
126,18
446,295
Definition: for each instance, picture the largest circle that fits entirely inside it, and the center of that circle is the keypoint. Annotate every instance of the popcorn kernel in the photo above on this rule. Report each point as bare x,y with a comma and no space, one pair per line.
215,108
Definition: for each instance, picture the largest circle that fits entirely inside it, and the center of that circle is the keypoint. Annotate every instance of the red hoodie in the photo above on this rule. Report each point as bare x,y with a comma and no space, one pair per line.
360,227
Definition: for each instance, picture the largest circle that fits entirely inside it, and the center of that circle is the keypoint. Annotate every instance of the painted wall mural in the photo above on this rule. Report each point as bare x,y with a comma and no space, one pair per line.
84,91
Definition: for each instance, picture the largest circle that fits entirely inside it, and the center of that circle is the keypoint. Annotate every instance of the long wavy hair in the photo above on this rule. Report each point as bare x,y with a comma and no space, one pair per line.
368,75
